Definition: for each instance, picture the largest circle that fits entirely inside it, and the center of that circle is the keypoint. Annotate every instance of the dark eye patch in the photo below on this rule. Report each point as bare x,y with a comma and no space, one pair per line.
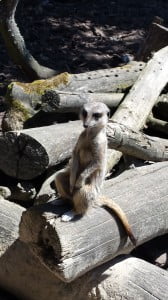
84,113
97,116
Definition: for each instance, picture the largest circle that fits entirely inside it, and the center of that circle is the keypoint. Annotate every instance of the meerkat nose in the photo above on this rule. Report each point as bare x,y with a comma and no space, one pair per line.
85,125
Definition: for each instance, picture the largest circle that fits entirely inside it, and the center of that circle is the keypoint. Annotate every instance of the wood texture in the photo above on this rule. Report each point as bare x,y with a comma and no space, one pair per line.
124,278
71,249
57,101
136,143
10,214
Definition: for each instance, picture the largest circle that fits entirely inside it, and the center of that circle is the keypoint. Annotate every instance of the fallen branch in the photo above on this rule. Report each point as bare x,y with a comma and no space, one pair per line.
64,248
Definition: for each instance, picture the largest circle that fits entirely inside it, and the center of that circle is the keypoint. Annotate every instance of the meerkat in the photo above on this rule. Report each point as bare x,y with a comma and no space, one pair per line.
81,181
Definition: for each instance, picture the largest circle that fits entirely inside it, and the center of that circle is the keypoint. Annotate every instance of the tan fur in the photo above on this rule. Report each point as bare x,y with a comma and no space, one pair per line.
82,180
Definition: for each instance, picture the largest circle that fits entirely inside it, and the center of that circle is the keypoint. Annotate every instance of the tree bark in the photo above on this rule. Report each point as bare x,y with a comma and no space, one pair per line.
16,45
64,248
136,143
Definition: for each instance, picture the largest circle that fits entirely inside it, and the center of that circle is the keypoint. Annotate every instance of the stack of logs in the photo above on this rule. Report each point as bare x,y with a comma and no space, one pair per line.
89,258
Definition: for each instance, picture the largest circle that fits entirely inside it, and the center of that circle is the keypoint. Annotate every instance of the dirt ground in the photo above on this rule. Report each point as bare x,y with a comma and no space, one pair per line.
78,36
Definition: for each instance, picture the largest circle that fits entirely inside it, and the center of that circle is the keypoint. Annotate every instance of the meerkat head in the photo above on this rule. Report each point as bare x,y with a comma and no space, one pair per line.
94,115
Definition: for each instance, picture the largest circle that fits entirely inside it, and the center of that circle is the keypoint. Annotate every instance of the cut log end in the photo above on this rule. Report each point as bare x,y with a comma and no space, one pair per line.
22,156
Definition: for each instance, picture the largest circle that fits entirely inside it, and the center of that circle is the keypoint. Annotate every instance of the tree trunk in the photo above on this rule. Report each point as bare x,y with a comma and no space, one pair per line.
64,248
15,43
136,144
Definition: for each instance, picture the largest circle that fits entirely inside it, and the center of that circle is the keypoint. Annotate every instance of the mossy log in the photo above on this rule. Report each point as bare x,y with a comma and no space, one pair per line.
135,143
69,249
26,99
15,43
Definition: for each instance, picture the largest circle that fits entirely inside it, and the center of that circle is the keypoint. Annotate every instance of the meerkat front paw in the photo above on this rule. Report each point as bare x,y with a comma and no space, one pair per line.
68,216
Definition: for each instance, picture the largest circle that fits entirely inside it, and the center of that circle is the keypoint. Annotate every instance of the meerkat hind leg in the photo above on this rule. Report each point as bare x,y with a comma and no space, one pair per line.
62,184
83,199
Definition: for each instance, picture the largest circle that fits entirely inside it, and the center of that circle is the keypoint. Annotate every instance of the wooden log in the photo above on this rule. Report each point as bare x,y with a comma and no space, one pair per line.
136,143
156,39
71,249
28,153
124,277
137,105
10,214
25,99
60,101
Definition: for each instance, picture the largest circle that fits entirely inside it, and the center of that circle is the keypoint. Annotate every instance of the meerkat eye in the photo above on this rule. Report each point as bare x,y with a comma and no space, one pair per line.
84,113
108,114
97,116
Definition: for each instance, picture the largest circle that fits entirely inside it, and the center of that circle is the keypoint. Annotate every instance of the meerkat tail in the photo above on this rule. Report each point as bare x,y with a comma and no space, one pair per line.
120,214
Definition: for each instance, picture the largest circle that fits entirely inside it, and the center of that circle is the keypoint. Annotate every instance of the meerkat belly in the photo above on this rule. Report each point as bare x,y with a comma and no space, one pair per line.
85,157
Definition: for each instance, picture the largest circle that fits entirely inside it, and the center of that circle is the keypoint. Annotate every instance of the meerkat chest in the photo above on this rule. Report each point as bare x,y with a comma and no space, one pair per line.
85,155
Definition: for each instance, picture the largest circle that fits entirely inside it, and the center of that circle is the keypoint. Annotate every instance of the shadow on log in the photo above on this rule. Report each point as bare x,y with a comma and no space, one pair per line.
71,249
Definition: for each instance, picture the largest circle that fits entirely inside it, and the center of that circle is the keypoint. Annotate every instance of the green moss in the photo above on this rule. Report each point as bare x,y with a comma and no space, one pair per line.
18,107
39,86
